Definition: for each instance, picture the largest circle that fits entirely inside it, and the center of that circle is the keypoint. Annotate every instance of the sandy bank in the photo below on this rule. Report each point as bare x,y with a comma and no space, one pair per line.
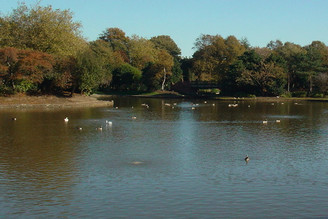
49,101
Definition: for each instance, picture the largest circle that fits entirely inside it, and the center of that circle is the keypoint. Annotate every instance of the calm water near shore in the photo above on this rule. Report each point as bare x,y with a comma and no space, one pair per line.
176,159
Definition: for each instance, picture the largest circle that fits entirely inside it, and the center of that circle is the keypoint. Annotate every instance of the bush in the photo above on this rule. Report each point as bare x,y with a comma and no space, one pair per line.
5,90
299,94
216,91
286,94
24,86
318,95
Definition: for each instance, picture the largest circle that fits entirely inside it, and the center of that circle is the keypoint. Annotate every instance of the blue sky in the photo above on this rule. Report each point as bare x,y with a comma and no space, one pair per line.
298,21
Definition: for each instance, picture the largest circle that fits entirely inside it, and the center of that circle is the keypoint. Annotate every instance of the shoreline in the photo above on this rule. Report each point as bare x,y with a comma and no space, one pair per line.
21,101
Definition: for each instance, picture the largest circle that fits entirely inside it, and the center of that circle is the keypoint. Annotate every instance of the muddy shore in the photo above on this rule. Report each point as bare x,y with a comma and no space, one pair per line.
21,101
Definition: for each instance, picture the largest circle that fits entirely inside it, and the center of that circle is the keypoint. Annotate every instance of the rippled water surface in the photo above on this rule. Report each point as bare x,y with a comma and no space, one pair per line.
176,159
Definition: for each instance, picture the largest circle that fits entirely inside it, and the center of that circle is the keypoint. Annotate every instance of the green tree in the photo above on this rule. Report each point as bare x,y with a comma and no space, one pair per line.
42,29
126,77
156,74
142,51
214,55
165,42
250,74
91,72
290,56
314,62
186,67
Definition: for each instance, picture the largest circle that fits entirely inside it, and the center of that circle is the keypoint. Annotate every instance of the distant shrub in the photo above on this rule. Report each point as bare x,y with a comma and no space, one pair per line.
252,95
241,94
318,95
5,90
286,95
24,86
215,91
299,94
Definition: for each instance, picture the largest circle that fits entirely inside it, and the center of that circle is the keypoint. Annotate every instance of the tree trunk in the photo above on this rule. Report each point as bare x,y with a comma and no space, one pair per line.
164,79
288,83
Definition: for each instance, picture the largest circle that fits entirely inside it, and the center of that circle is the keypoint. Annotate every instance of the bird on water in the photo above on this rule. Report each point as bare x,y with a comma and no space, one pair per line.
246,158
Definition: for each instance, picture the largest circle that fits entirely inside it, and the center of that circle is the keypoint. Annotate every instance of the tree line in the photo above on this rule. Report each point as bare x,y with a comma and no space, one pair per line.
42,50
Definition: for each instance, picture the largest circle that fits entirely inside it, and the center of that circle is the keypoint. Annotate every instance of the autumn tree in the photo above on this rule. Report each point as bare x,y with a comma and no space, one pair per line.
43,29
118,41
24,70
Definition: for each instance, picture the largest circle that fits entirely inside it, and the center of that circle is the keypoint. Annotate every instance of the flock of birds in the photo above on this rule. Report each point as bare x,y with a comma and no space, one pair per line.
110,123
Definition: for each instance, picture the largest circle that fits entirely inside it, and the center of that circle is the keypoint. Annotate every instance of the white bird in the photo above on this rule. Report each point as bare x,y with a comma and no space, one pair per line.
99,128
277,120
134,117
109,122
14,119
265,122
246,158
66,119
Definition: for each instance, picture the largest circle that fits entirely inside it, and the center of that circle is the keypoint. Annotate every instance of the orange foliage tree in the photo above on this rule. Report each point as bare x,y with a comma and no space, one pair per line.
24,70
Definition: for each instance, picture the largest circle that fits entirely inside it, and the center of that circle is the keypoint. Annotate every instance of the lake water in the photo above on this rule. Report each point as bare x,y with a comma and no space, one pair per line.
176,159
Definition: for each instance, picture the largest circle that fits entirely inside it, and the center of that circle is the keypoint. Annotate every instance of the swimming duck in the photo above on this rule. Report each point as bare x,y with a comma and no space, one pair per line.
246,158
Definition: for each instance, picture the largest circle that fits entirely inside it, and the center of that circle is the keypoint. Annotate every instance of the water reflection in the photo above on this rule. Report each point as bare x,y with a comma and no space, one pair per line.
177,158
